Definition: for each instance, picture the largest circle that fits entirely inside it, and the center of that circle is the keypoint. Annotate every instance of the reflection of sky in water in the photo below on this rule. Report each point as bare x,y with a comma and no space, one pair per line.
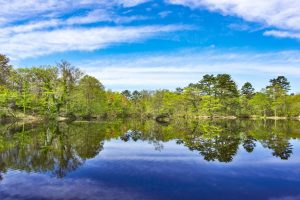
134,170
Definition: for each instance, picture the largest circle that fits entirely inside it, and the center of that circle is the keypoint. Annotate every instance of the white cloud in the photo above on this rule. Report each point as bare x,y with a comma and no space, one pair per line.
283,15
35,43
50,26
131,3
16,10
164,14
179,69
98,15
101,15
283,34
31,26
91,17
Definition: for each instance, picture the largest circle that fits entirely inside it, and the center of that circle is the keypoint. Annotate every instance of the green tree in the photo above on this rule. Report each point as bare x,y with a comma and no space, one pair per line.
277,91
247,90
127,94
117,105
89,97
25,98
208,85
5,70
211,105
192,95
68,78
45,82
282,82
227,92
225,86
294,105
261,103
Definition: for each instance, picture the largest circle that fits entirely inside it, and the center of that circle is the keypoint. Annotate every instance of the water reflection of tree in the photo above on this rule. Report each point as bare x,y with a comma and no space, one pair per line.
2,169
280,146
152,136
61,148
277,138
55,148
249,143
213,142
218,140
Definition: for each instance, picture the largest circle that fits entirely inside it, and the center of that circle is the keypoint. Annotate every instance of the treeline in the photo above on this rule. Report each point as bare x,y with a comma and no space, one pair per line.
52,91
218,96
63,90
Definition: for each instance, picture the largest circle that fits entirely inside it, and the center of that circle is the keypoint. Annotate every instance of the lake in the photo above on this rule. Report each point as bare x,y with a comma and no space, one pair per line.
233,159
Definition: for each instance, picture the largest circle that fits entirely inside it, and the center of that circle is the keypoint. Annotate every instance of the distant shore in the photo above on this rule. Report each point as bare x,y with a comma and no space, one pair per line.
39,118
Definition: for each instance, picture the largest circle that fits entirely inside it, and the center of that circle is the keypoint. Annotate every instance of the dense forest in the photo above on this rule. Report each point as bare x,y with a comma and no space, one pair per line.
65,91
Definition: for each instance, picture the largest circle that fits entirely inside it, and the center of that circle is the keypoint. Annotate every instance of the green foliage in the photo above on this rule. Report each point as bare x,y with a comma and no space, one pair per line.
216,96
280,82
88,98
63,90
5,70
261,103
117,105
211,105
293,105
247,90
277,91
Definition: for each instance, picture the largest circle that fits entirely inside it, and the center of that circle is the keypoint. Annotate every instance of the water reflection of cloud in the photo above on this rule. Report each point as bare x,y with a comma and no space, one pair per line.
179,160
141,150
67,189
287,198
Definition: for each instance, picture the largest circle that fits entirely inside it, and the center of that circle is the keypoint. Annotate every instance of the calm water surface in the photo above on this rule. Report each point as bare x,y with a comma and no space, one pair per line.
146,160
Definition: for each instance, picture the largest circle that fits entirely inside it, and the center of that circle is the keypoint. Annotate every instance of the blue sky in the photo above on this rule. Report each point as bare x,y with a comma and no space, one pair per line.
151,44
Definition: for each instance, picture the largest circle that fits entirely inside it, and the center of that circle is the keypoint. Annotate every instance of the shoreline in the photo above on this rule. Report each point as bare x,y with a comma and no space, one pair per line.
38,118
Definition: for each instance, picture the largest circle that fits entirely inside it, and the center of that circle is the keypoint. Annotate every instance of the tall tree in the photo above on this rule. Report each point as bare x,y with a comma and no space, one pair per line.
45,82
225,86
91,96
5,69
281,82
207,85
192,94
247,90
69,76
277,90
260,103
23,79
227,92
127,94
